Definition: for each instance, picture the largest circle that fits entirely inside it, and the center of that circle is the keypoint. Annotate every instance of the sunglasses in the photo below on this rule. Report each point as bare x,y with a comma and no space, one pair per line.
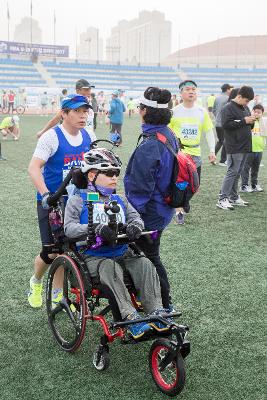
111,172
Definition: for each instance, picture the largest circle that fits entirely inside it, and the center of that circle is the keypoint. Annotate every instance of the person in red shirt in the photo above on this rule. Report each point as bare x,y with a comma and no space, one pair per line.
11,100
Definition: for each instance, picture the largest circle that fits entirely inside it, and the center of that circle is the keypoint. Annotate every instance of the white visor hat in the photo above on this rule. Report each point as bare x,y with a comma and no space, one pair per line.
151,103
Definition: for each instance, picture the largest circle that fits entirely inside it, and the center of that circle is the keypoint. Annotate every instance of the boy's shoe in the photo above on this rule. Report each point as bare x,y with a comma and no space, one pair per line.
157,325
223,164
256,188
239,202
139,329
35,294
179,218
224,204
56,297
245,189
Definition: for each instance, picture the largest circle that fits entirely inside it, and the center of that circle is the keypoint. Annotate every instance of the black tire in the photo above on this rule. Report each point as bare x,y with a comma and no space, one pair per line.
101,362
20,110
171,379
4,110
68,319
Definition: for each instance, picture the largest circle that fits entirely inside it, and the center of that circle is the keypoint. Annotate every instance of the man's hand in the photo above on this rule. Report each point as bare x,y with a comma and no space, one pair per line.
134,230
212,158
250,120
45,197
106,233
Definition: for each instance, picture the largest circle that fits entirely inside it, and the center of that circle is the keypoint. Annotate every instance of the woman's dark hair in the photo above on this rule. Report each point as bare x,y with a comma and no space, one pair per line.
258,107
233,94
157,116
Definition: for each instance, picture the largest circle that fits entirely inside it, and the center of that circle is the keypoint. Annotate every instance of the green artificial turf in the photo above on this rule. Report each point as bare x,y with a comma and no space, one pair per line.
216,267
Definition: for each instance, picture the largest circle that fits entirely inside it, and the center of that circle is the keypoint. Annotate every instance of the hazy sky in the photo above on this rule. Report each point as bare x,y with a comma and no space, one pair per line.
194,20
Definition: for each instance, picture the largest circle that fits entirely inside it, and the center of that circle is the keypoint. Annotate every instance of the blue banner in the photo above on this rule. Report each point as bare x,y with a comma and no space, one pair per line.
36,49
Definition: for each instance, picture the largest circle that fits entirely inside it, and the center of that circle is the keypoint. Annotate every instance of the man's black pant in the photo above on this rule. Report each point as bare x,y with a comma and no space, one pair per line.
151,250
220,144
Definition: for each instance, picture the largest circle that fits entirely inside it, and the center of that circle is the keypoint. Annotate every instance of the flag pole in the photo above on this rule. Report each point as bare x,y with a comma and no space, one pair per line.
31,23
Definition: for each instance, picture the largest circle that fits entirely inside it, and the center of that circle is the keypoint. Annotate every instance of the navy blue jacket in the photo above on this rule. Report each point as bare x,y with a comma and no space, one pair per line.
148,176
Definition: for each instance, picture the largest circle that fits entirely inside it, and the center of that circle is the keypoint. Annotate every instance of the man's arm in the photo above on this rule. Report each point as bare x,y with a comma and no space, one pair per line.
53,122
72,226
233,122
35,172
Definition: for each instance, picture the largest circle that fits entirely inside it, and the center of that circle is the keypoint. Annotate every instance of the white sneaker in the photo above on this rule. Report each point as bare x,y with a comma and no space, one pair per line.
223,164
245,189
224,204
239,202
257,188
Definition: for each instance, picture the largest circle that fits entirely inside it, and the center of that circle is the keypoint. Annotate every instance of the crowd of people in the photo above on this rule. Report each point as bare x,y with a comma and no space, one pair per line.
65,141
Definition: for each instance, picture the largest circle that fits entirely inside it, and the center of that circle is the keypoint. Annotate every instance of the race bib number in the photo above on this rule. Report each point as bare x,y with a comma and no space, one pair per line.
100,217
189,131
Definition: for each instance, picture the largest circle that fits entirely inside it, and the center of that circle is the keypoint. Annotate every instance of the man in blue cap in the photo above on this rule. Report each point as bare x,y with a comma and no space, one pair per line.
83,88
116,110
56,152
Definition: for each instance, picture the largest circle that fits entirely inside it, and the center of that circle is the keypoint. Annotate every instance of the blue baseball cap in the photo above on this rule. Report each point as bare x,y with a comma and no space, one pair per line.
74,101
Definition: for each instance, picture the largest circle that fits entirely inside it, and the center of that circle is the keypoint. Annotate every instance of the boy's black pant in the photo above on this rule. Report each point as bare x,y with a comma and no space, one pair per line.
252,162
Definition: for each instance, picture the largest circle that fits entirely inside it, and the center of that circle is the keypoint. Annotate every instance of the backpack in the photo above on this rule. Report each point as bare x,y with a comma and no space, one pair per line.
184,181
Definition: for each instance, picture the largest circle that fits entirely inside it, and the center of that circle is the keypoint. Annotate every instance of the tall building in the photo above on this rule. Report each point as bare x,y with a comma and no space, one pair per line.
28,31
146,39
91,45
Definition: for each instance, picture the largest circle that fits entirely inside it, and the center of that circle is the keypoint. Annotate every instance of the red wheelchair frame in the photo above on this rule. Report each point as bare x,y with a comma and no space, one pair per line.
80,299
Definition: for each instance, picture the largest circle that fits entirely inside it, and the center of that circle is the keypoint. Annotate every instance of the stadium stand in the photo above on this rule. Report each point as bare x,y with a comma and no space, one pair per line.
16,73
110,76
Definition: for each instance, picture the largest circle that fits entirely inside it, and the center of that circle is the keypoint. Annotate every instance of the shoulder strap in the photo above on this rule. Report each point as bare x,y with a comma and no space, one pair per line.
162,138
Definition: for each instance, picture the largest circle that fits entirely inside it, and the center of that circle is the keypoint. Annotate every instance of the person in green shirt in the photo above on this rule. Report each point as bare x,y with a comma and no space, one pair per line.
130,106
253,160
210,102
10,126
188,122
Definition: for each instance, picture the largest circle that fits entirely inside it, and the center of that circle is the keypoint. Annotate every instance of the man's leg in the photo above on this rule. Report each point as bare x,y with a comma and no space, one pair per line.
233,166
240,159
146,282
246,169
110,274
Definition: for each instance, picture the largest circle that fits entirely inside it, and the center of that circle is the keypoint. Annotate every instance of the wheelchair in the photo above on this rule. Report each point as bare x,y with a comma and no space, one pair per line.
82,300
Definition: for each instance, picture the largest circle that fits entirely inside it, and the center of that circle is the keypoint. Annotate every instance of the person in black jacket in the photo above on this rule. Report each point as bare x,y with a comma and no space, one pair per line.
237,123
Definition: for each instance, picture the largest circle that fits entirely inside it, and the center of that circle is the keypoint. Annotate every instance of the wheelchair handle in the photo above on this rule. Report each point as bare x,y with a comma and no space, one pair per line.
52,200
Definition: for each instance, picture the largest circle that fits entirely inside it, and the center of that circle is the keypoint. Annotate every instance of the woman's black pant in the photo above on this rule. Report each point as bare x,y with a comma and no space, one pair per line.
151,250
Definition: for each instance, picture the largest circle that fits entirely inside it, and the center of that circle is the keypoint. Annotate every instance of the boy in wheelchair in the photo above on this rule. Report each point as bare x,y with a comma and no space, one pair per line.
108,262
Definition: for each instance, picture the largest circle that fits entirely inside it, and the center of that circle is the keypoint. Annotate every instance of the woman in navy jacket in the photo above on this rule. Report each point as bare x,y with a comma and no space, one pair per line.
148,176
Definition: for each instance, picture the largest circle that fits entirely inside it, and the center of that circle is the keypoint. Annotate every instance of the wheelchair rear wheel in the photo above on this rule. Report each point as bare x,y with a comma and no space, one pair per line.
67,312
167,367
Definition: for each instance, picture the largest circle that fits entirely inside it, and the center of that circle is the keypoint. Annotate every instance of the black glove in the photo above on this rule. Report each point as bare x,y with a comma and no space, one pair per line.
106,233
134,230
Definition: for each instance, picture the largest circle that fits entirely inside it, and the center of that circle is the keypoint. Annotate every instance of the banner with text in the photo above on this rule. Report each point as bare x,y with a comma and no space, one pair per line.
36,49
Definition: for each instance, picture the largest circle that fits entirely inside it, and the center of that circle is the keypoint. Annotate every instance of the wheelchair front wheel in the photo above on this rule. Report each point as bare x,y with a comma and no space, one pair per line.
67,311
101,358
167,367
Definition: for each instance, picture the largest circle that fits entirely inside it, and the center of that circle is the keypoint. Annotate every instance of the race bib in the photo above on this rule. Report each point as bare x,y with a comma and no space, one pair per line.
189,131
100,217
90,119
